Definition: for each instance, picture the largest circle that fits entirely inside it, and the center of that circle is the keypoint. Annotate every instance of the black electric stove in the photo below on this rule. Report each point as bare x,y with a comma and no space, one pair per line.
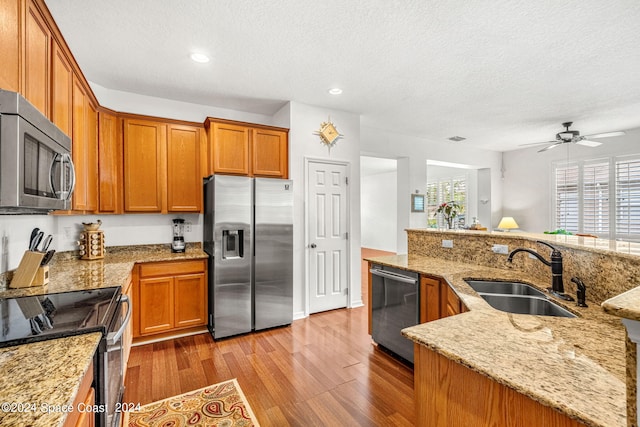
36,318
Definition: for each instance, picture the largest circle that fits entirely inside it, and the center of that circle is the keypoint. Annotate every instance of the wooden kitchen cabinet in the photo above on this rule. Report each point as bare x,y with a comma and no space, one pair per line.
144,151
170,296
450,394
246,149
230,148
84,146
62,91
438,299
86,395
109,163
429,299
184,179
36,59
269,153
10,45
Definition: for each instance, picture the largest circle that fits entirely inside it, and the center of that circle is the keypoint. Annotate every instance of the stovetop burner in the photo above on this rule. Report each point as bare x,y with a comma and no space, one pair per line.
41,317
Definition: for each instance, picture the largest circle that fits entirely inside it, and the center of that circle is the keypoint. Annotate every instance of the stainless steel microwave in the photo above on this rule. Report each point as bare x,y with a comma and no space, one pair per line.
36,170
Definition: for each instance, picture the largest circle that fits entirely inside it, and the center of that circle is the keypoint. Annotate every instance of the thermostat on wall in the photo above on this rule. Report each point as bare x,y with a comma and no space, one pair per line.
417,203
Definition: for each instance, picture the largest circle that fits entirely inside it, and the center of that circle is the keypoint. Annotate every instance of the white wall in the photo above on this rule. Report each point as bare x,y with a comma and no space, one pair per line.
527,188
412,153
378,215
303,144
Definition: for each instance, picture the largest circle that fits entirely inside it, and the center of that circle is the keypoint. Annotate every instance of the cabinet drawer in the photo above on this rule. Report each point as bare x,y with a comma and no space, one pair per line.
172,268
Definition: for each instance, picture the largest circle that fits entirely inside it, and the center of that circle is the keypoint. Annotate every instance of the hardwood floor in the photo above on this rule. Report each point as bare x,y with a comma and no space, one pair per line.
320,371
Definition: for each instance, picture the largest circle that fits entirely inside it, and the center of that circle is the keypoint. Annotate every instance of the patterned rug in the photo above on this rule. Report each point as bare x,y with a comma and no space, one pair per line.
220,405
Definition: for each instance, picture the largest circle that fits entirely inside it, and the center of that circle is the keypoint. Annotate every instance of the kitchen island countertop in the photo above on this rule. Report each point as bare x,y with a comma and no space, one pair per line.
575,365
50,372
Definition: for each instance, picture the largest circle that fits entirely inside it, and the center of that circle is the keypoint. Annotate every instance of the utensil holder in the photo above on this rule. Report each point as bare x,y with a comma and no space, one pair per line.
91,244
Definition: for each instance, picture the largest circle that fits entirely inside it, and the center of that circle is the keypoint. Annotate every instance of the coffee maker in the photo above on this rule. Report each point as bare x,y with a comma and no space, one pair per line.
178,245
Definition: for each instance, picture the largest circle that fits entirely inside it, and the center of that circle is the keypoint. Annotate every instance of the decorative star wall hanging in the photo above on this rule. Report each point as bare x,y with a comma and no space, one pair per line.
328,133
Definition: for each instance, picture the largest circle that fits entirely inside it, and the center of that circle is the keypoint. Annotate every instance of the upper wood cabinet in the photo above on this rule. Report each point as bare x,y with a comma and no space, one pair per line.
184,181
109,163
36,59
84,150
162,167
269,153
61,91
144,149
10,45
230,148
246,149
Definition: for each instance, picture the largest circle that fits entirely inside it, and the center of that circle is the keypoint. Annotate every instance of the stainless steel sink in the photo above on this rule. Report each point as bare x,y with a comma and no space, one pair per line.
525,304
510,288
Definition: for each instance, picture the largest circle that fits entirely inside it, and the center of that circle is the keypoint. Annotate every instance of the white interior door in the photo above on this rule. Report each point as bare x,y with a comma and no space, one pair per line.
328,242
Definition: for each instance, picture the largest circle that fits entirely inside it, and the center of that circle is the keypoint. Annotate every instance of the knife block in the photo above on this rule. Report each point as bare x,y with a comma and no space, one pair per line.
91,244
26,273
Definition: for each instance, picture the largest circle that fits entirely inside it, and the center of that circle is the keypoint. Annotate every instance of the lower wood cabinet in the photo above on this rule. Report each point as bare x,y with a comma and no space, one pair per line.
448,394
170,296
87,396
438,299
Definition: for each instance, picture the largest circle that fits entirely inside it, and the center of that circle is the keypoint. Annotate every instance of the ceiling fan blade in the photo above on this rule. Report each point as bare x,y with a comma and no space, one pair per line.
537,143
551,146
588,143
606,134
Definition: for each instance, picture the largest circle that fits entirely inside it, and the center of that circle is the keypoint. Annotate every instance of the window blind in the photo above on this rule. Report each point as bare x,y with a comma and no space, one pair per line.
595,198
627,204
445,190
567,207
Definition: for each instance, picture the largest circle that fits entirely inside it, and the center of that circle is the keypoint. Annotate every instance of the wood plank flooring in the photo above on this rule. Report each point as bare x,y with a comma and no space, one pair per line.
320,371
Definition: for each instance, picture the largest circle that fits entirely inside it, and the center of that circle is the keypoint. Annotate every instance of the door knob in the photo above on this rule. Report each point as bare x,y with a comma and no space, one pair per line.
313,246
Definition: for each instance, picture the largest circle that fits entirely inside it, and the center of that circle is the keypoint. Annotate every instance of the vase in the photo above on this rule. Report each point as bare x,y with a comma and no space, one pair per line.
449,223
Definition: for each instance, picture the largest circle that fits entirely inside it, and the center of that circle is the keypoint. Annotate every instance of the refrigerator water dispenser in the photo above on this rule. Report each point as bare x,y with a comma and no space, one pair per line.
232,244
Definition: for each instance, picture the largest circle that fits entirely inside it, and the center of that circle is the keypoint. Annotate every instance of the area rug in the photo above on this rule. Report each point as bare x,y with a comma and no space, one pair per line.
220,405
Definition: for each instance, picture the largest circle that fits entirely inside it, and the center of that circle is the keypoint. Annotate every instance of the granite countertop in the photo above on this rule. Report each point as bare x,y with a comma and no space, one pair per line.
626,305
68,273
575,365
42,377
50,372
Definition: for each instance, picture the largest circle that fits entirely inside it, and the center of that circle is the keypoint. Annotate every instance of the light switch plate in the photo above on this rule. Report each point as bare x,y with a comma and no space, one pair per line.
447,244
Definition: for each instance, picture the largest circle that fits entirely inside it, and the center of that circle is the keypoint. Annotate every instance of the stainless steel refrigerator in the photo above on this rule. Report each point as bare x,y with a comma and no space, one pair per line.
248,234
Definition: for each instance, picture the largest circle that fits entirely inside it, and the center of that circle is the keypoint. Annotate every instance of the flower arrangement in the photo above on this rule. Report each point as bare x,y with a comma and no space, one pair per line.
449,210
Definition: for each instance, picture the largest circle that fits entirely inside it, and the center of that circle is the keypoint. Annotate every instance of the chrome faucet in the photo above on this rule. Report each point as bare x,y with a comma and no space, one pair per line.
557,284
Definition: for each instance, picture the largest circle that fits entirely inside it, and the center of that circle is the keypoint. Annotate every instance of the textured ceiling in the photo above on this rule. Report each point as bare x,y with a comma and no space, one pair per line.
500,73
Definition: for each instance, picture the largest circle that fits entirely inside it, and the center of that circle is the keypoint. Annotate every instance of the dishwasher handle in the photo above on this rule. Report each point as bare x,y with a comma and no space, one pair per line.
393,276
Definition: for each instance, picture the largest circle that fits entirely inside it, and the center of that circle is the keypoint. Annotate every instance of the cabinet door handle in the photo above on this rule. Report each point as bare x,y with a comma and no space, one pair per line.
313,246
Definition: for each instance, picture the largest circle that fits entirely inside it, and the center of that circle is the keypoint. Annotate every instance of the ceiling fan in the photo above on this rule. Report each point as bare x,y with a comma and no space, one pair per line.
573,136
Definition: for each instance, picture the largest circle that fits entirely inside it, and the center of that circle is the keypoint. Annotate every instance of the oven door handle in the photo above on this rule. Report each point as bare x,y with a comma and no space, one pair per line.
393,276
114,337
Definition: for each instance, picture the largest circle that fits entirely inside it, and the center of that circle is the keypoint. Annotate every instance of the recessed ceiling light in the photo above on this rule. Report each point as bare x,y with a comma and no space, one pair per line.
200,57
335,91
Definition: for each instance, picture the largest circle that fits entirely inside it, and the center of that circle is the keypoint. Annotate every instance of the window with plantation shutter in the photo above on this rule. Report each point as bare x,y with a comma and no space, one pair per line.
627,203
567,208
599,197
446,190
595,198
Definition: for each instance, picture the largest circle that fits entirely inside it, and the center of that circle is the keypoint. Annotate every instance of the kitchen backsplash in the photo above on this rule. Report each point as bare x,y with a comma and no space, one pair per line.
119,230
606,273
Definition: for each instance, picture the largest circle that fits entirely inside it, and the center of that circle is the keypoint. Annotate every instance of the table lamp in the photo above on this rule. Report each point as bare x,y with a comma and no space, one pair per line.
507,223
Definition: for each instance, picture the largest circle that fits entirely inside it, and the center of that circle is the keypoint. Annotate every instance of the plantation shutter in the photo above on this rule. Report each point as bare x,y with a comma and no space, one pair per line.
567,197
627,208
595,198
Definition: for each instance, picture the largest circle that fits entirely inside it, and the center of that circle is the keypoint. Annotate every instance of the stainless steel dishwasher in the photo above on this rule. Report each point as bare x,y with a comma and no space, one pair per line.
394,306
